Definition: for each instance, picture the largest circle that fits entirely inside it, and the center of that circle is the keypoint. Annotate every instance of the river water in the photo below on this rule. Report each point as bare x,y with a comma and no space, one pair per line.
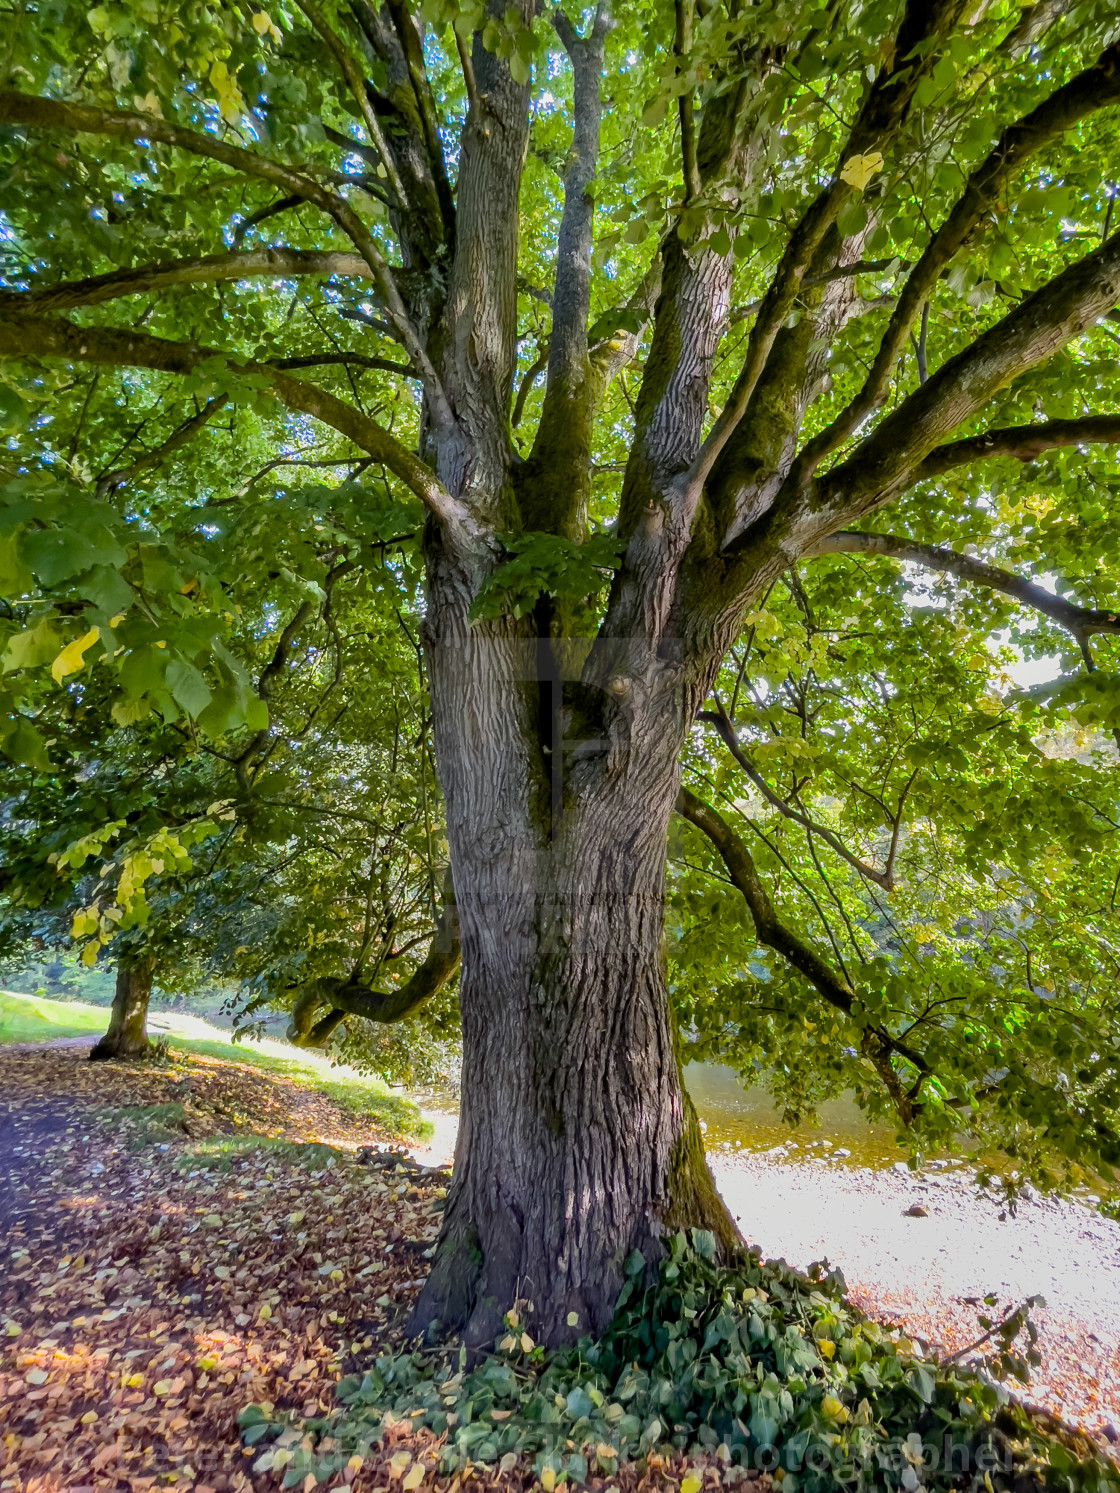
735,1118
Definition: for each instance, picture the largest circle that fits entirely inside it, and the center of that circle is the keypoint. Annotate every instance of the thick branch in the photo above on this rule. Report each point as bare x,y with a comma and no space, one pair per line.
26,336
1082,622
877,1043
893,453
208,269
1094,89
350,997
924,24
682,45
572,288
556,488
1024,442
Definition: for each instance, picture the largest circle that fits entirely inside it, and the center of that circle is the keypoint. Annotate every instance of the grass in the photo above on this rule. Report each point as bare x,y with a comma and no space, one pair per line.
30,1018
364,1098
33,1018
149,1122
218,1152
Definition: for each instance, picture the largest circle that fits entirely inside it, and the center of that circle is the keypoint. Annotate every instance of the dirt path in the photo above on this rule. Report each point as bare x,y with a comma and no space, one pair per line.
146,1294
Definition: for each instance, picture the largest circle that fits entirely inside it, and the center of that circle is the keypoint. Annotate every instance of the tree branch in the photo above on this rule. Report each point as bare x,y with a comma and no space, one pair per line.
682,45
557,486
111,481
357,86
888,459
344,360
28,336
350,997
1023,442
242,264
1094,89
44,113
876,1043
721,721
1082,622
924,24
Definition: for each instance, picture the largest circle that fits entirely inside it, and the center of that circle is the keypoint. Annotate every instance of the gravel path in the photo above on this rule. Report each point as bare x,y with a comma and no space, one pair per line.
920,1271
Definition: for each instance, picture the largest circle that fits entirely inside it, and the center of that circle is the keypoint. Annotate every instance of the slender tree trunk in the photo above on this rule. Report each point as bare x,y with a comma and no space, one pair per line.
127,1036
577,1142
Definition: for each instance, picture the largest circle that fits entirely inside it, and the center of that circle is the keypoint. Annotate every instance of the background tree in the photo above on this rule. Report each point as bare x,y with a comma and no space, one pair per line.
808,265
299,856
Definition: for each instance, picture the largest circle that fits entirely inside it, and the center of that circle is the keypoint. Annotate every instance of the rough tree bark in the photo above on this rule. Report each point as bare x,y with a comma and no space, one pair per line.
127,1036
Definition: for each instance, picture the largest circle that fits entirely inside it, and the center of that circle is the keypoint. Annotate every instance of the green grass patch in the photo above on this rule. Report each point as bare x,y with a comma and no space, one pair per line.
219,1152
148,1123
30,1018
754,1368
366,1099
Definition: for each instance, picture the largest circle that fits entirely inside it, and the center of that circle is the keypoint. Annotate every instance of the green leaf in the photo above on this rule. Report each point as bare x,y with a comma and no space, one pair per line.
34,646
188,687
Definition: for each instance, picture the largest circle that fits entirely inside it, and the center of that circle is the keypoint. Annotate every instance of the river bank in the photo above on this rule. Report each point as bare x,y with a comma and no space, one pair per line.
930,1272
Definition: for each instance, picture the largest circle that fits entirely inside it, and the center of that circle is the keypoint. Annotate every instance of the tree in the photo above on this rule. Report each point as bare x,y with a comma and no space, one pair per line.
877,267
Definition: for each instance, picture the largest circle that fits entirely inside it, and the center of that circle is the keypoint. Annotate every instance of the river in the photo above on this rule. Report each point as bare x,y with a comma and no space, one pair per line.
735,1118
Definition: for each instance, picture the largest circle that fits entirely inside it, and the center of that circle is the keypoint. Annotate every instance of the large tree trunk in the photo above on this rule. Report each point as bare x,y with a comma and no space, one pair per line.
127,1036
577,1142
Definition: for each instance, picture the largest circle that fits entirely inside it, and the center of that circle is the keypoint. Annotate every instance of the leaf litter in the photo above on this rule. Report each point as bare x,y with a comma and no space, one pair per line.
181,1241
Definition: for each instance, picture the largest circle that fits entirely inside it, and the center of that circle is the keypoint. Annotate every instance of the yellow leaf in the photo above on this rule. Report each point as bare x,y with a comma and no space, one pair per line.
12,1329
507,1344
161,1387
833,1409
573,1319
398,1462
826,1348
264,1313
69,661
149,104
690,1484
857,171
263,25
548,1479
527,1344
414,1478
